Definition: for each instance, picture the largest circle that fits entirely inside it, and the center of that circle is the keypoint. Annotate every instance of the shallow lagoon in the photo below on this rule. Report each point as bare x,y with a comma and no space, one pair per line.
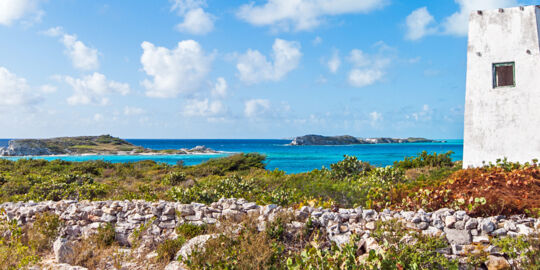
291,159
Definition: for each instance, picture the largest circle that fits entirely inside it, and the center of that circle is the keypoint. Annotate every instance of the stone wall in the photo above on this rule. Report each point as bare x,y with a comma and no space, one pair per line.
83,218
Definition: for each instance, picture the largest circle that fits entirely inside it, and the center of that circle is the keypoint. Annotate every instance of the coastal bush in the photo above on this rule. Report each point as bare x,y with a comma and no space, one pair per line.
426,160
234,163
105,236
166,251
15,252
174,178
188,230
350,166
524,249
44,231
246,248
492,190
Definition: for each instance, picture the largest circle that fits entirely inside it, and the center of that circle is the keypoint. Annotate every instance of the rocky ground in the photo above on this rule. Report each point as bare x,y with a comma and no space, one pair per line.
81,219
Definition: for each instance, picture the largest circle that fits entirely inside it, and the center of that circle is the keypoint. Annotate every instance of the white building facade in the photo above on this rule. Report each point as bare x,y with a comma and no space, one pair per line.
502,108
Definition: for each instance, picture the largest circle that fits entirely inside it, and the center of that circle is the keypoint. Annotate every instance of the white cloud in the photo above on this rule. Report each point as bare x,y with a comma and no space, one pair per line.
419,24
303,14
220,88
175,71
364,77
256,107
253,67
13,10
14,91
82,56
204,108
197,22
129,111
183,6
457,24
47,88
335,62
424,115
93,89
98,117
375,117
367,69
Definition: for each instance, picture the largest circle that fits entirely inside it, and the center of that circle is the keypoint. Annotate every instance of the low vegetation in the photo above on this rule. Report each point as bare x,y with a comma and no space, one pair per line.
428,181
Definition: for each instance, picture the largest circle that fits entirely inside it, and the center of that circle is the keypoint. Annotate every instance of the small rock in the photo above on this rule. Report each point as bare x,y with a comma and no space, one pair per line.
499,232
370,225
196,243
175,265
497,263
458,237
524,230
450,221
63,251
460,225
481,239
340,239
422,225
471,224
487,226
510,226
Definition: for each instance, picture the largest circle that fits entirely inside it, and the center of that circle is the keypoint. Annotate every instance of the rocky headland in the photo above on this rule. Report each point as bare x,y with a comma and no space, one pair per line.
88,145
463,234
347,140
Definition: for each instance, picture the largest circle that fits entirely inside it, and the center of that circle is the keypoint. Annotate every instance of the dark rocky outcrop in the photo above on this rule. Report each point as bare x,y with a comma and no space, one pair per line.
91,145
347,140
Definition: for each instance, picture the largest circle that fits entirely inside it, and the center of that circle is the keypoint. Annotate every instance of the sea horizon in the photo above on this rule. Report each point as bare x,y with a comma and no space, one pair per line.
279,155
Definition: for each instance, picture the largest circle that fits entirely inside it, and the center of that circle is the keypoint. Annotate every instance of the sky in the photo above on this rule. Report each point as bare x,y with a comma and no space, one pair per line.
234,69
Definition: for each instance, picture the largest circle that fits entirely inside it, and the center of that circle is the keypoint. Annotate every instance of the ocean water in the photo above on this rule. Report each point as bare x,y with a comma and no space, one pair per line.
291,159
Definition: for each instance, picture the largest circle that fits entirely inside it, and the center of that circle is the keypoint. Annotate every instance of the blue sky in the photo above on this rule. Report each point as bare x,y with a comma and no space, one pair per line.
234,69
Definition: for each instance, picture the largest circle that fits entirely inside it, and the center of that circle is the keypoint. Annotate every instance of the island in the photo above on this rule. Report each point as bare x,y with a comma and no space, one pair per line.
88,145
347,140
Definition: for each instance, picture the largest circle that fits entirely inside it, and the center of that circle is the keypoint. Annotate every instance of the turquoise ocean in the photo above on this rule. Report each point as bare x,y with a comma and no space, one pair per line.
291,159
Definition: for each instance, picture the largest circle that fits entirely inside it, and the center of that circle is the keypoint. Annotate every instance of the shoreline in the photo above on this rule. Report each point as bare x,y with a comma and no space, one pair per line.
123,154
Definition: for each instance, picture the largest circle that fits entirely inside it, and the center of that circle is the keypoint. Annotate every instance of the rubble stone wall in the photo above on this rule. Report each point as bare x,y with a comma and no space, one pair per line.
83,218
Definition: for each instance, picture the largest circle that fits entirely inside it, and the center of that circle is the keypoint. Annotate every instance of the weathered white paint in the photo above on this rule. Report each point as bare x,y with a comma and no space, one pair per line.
503,122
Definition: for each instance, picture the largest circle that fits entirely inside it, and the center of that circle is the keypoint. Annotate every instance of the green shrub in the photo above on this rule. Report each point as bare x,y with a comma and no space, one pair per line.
524,249
15,253
234,163
174,178
105,236
426,160
167,250
44,231
188,230
350,166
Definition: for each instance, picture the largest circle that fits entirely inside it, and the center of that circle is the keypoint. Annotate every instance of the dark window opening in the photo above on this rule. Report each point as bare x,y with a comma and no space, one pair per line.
504,74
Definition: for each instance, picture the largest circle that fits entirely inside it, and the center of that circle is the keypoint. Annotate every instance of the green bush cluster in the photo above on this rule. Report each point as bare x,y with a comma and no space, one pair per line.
349,167
426,160
188,230
167,250
348,183
23,246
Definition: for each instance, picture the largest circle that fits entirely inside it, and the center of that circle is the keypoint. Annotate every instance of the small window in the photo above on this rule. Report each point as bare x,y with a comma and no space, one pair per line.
503,74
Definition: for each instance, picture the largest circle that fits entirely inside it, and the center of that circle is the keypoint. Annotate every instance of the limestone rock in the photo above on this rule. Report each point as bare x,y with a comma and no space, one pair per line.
175,265
194,244
458,237
63,250
497,263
